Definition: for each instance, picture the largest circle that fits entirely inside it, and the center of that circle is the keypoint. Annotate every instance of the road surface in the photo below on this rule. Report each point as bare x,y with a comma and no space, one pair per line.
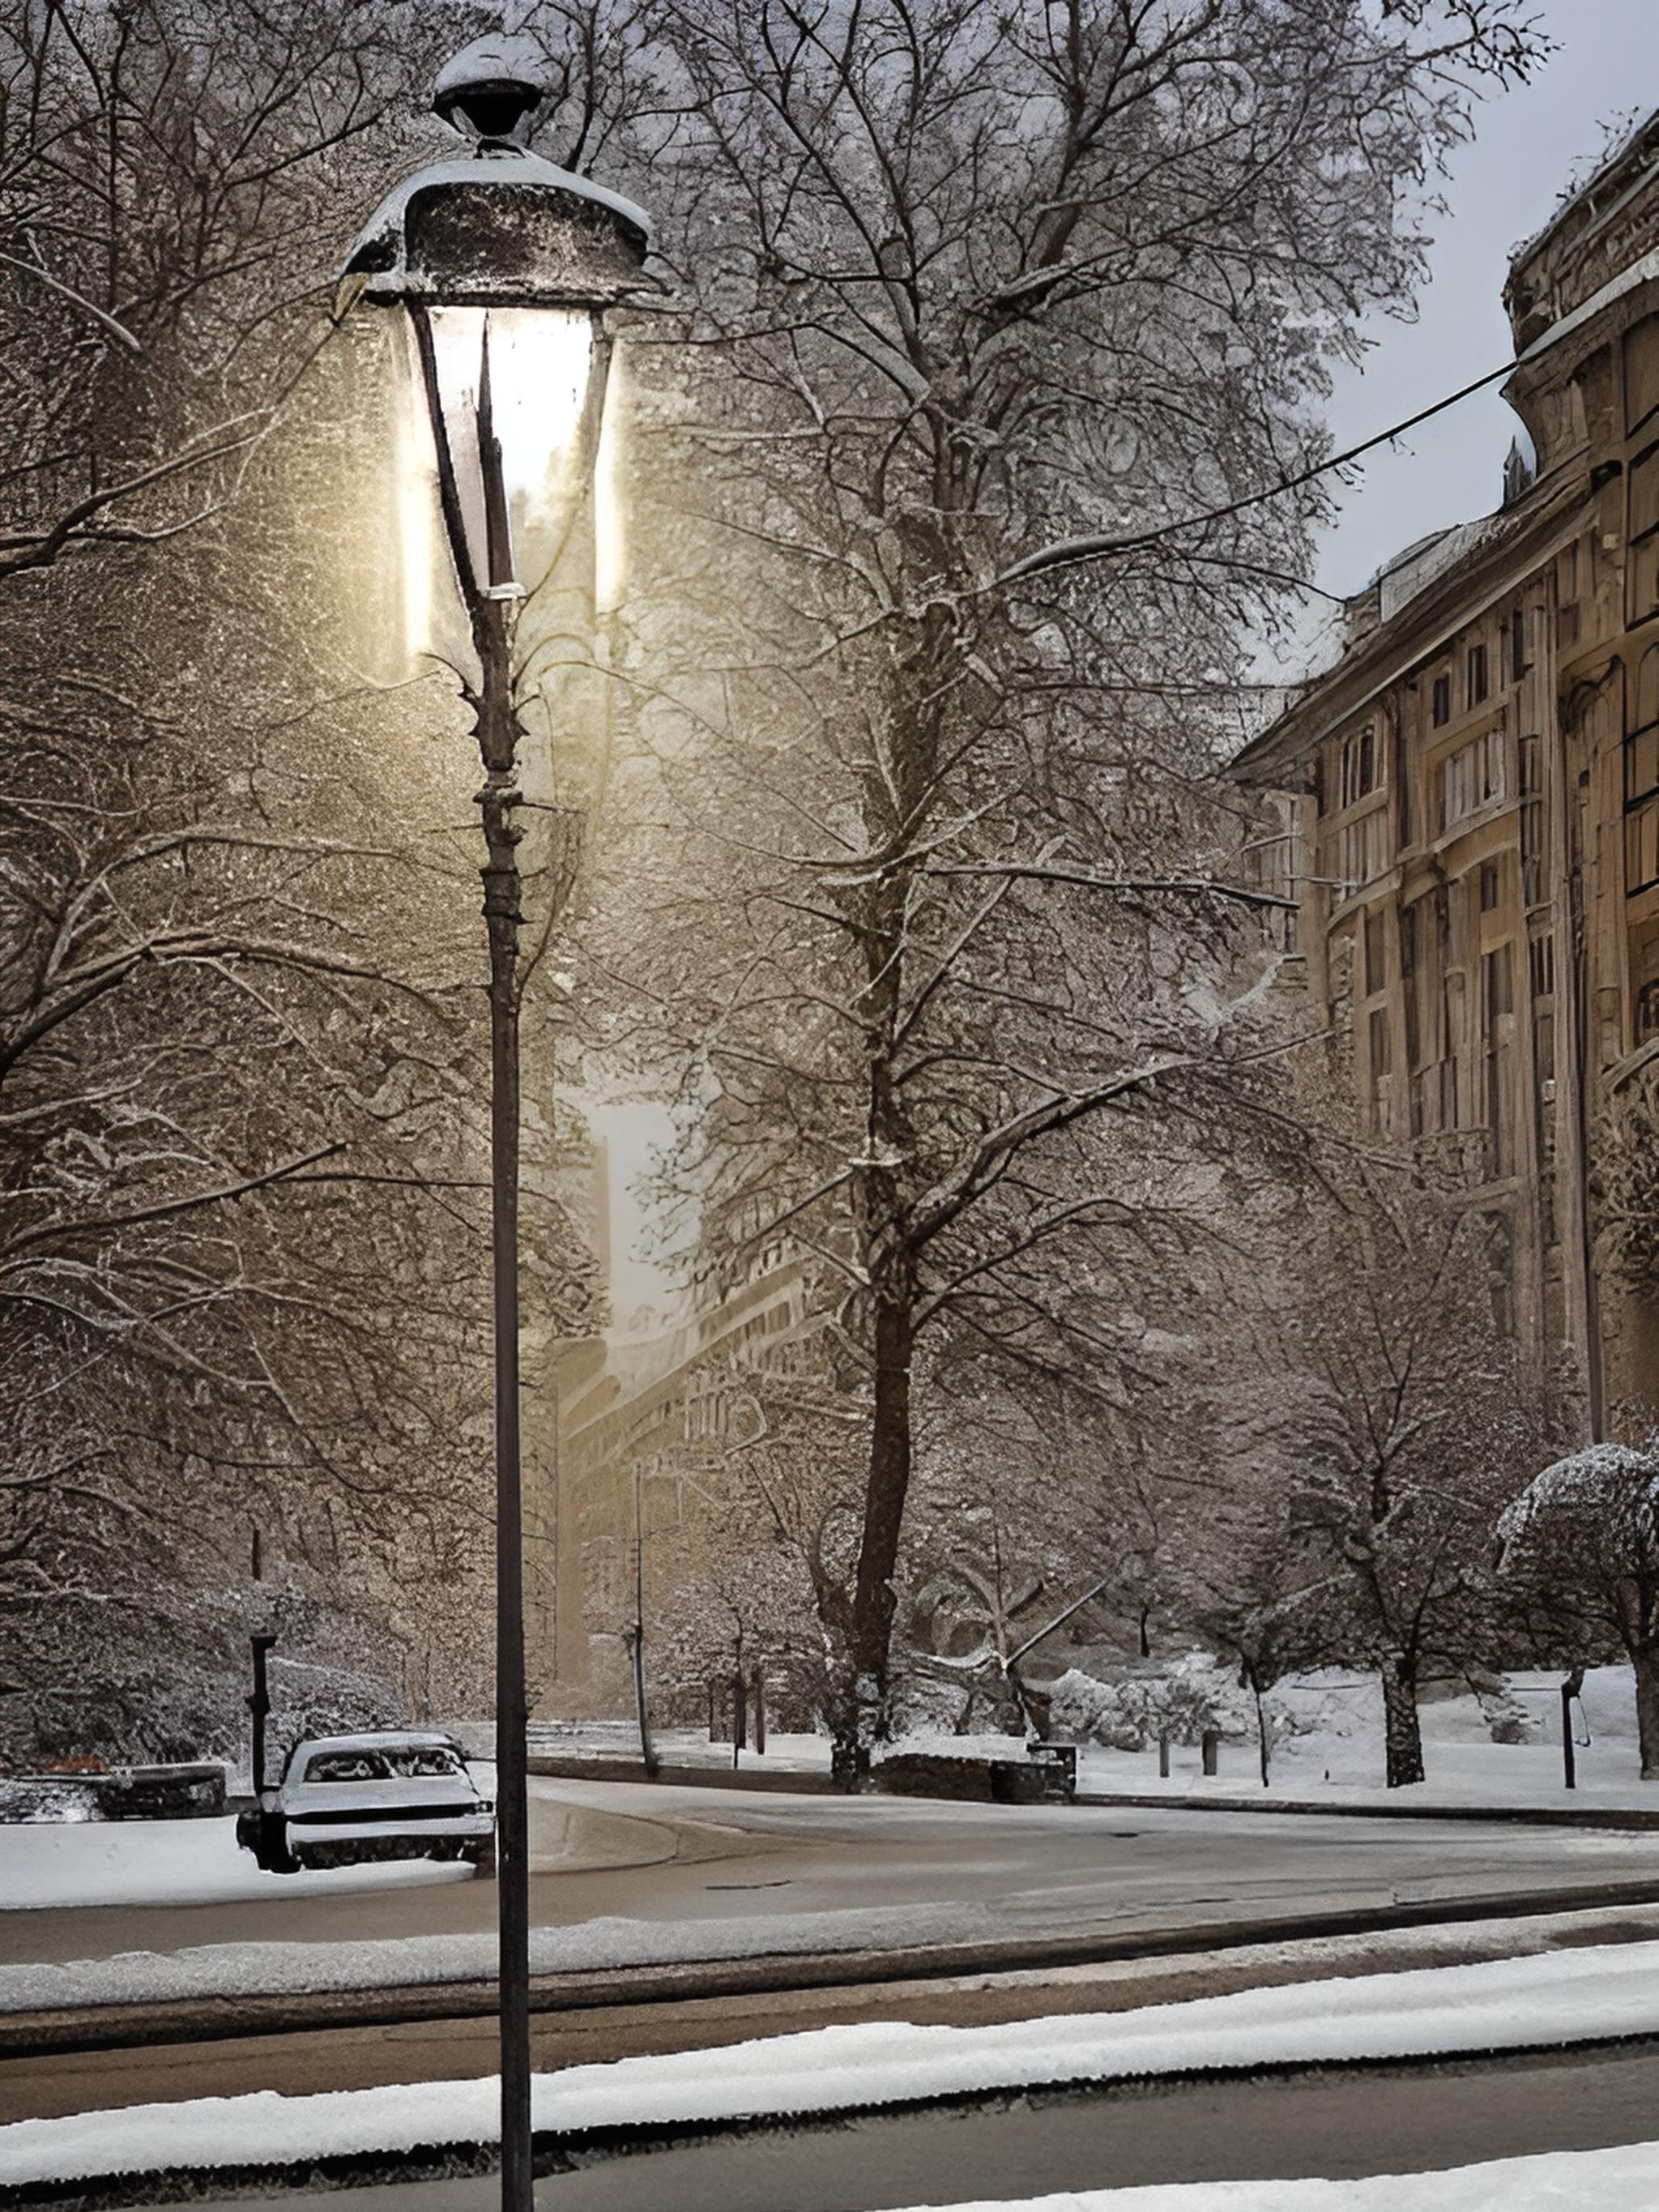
1338,2122
914,1870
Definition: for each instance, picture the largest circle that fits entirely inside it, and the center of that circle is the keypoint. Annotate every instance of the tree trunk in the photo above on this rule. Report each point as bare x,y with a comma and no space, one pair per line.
1646,1664
862,1722
1402,1736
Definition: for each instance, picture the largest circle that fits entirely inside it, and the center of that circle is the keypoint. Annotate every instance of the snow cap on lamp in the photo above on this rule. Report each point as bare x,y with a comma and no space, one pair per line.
500,227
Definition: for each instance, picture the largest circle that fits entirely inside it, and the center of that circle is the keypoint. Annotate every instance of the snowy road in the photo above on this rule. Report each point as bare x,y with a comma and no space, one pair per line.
730,1871
914,1868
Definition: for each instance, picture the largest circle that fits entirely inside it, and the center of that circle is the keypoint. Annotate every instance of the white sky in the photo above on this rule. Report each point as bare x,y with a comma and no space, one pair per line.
1502,188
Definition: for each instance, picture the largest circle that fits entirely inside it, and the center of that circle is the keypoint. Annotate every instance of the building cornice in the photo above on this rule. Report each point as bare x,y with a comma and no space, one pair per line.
1535,529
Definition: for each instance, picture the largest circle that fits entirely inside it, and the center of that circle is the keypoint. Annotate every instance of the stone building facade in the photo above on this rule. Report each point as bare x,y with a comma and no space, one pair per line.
1471,800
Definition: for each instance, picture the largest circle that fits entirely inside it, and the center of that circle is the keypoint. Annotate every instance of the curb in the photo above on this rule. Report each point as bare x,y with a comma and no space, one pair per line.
810,1783
1637,1817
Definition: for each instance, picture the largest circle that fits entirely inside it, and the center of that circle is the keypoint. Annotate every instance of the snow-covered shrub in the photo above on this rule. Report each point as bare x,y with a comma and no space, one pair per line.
1581,1558
1184,1701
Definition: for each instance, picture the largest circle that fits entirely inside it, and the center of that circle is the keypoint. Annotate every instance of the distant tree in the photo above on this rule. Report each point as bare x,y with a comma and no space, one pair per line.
1403,1421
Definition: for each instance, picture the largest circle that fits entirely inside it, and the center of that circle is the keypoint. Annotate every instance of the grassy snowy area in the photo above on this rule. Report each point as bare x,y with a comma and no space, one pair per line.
1337,1749
1331,1751
1552,2000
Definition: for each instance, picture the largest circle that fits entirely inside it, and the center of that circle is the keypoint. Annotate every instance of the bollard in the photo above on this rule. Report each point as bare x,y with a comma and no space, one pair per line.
1210,1742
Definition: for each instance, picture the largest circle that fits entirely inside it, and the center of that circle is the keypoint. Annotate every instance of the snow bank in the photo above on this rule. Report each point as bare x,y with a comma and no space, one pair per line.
1624,2179
1558,1998
168,1862
213,1970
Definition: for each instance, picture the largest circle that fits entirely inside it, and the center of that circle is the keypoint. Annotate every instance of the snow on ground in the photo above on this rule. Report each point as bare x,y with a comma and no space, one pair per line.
1339,1749
1336,1756
1624,2179
168,1862
1552,2000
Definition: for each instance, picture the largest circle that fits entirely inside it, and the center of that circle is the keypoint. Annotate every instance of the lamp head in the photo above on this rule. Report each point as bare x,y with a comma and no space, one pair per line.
493,91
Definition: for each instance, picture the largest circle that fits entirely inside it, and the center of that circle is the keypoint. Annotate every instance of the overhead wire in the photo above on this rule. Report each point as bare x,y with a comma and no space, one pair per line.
1070,552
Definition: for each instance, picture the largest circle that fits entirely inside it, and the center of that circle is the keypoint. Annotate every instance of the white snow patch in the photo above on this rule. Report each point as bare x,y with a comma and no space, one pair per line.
1558,1998
44,1864
248,1969
1622,2179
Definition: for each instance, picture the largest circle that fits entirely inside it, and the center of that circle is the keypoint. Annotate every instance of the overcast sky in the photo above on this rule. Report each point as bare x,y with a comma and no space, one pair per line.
1502,188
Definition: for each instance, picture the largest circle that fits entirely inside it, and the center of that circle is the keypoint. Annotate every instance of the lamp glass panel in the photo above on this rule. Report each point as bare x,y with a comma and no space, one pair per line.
541,368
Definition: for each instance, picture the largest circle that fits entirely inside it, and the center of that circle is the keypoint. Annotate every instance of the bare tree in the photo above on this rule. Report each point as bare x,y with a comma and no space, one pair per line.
973,290
243,1250
1402,1423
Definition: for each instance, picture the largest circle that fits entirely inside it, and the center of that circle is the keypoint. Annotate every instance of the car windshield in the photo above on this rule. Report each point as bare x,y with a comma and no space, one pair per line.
423,1758
347,1767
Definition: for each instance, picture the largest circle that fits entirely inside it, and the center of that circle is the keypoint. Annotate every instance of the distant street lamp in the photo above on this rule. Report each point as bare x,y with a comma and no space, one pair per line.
504,265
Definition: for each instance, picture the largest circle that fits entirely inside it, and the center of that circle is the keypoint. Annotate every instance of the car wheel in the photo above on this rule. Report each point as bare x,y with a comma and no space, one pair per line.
483,1857
270,1845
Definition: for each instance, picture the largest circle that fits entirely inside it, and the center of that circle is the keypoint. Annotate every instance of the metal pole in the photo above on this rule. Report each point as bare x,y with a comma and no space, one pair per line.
1570,1689
499,729
498,733
259,1704
648,1753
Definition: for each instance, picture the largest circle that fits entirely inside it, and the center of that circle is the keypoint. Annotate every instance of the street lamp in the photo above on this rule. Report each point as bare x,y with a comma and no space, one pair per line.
504,266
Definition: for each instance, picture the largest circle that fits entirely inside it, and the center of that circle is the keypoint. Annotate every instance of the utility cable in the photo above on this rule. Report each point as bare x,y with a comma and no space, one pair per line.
1070,551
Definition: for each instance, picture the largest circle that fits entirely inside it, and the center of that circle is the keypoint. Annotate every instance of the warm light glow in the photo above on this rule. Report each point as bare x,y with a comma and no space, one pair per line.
541,359
418,523
610,534
541,368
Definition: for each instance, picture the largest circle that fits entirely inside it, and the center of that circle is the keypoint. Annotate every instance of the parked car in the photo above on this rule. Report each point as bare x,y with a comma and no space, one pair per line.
391,1794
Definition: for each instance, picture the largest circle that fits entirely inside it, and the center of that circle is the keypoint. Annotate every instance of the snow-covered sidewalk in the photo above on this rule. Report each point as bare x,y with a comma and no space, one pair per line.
1624,2179
1563,1997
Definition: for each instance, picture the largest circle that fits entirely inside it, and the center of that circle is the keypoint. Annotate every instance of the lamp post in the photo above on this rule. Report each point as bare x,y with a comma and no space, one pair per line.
504,266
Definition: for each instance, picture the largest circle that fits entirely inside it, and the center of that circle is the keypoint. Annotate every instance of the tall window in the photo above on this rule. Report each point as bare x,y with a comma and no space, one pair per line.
1379,1051
1498,992
1440,701
1377,952
1359,766
1478,677
1533,872
1514,644
1540,975
1473,776
1410,929
1566,593
1364,852
1642,780
1641,372
1642,556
